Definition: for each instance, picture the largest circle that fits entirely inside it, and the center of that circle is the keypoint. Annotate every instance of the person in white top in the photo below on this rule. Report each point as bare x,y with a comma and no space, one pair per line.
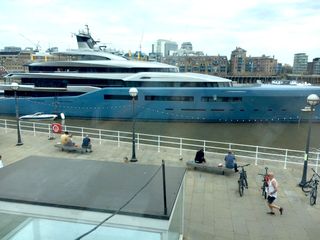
272,194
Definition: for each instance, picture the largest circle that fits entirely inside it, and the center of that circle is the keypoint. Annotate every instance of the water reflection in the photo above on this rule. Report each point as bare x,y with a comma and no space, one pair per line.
292,136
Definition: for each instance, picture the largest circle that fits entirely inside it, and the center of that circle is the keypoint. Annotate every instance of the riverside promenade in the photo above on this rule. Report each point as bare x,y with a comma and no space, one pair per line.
213,208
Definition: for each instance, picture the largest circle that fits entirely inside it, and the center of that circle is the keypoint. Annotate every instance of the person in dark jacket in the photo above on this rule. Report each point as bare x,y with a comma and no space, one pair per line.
199,158
230,161
86,144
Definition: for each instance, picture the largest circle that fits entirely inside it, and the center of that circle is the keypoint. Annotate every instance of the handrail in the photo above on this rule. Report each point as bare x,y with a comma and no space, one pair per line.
255,153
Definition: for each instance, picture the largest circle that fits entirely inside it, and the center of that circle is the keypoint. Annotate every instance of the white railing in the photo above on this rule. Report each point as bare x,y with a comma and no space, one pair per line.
254,153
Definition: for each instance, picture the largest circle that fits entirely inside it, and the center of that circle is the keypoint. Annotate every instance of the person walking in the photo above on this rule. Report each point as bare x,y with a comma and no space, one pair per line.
272,194
1,163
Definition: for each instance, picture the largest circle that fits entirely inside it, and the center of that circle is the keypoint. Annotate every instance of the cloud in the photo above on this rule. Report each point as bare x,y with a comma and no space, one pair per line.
274,27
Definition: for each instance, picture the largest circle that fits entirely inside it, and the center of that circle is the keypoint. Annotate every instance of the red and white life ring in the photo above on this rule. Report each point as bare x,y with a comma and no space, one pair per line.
56,127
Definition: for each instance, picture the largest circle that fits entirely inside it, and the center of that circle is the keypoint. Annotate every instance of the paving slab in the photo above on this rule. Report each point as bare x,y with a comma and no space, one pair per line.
213,208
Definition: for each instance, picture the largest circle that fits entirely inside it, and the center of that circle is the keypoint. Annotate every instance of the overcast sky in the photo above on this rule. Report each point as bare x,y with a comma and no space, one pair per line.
278,28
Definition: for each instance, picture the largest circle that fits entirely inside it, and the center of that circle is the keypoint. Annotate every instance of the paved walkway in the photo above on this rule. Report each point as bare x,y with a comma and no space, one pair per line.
213,207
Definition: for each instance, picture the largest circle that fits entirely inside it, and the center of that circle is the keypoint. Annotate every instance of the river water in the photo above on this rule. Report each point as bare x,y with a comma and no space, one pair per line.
279,135
291,136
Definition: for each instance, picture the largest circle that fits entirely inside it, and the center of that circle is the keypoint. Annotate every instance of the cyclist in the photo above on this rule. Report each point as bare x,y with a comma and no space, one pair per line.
272,194
230,161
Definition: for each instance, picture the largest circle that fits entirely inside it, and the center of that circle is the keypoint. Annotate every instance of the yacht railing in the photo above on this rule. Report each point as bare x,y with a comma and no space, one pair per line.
257,154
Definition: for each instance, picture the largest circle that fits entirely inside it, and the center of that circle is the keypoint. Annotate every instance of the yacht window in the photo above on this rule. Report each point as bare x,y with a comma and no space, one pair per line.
221,99
217,110
169,98
193,109
118,97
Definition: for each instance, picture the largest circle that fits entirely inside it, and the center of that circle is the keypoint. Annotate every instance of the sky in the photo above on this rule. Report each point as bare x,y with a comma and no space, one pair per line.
278,28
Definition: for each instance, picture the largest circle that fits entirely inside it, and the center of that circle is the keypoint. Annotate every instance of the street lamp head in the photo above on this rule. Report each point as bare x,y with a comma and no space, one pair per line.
133,92
313,100
14,86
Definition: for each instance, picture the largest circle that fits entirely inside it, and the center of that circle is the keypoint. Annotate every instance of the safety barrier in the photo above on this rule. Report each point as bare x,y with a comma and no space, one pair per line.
256,154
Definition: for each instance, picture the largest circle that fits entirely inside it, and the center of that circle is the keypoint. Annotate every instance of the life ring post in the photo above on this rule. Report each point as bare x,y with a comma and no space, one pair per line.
56,127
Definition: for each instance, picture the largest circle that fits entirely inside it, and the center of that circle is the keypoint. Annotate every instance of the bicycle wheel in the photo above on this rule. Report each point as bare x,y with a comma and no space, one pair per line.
313,196
264,191
246,182
306,187
241,187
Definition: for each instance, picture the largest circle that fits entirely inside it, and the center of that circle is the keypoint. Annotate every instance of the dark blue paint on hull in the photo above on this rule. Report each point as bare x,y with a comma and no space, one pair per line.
258,104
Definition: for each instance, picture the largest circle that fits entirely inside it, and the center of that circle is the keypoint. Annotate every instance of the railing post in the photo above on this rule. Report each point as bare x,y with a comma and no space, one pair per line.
118,138
82,132
317,162
5,126
257,154
285,159
49,132
34,129
100,136
159,143
204,145
180,146
230,146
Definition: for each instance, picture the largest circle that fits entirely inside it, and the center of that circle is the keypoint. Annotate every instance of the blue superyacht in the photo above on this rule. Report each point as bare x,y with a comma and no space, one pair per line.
91,82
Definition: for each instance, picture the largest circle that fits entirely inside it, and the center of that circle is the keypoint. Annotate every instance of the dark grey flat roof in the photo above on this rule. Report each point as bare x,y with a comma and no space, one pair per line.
90,185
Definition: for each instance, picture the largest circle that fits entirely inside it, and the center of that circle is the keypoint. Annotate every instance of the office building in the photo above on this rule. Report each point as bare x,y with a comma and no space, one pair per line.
300,63
166,47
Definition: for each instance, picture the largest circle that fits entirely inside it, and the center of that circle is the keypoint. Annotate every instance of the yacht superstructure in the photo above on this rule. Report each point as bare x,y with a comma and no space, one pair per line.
92,83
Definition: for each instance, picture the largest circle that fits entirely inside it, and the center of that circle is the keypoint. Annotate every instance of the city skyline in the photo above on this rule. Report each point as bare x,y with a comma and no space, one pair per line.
280,28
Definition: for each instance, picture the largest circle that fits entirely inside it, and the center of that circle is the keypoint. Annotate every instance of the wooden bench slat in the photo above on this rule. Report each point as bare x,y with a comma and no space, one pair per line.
209,168
69,148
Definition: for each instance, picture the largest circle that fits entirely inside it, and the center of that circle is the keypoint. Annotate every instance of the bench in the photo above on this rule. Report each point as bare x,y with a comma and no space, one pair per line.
70,148
209,168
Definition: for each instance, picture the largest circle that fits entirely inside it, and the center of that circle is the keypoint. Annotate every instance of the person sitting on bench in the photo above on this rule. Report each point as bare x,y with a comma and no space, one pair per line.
199,158
65,138
86,144
70,142
230,161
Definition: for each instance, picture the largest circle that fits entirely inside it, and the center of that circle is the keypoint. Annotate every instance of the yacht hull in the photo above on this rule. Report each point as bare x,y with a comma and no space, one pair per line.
232,104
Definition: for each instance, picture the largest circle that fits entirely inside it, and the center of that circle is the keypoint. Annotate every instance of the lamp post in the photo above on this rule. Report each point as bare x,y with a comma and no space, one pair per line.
15,87
312,100
133,93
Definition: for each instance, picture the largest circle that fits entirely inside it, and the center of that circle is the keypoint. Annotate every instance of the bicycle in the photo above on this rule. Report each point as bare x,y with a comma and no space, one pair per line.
306,188
242,182
265,181
314,188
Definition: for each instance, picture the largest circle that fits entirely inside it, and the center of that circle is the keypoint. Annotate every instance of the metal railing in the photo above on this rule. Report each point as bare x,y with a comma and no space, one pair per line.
256,154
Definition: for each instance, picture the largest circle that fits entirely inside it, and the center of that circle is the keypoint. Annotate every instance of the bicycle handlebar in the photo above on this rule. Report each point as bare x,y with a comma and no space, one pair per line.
315,172
245,165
